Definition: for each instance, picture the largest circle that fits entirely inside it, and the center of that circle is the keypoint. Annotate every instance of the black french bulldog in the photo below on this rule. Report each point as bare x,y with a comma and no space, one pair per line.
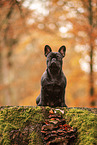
53,81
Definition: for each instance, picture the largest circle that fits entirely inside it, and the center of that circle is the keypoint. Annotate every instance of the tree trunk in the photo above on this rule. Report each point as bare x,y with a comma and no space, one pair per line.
91,78
0,68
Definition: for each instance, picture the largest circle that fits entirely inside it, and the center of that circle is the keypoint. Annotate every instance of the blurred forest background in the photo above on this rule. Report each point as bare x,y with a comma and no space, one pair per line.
26,26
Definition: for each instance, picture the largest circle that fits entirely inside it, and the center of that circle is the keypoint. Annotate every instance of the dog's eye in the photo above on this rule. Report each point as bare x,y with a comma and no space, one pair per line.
58,58
50,57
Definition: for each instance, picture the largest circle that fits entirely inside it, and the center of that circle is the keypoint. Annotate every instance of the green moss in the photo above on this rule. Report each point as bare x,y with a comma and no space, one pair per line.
7,128
48,108
86,124
13,118
35,139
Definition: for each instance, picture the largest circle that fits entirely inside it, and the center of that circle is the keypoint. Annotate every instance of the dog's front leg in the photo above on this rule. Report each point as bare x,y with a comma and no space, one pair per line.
42,98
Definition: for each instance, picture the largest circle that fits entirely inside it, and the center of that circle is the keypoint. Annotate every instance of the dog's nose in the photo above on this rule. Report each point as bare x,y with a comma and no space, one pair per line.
53,59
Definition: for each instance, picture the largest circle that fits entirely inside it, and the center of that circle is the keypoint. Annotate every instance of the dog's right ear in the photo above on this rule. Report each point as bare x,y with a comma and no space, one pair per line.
62,50
47,50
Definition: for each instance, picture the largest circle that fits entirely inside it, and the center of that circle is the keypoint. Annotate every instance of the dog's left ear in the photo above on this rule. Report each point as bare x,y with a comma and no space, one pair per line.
47,50
62,50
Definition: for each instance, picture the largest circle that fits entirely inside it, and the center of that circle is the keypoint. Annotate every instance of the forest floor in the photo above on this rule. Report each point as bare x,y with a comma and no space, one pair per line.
22,124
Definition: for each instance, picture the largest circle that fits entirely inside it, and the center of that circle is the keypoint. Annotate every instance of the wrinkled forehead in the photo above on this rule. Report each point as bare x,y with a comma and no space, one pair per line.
54,54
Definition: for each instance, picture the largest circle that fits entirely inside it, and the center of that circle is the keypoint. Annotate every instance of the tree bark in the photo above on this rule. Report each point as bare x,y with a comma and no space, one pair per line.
0,67
91,78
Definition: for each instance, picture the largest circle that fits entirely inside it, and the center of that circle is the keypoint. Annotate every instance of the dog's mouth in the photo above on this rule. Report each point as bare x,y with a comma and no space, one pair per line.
54,66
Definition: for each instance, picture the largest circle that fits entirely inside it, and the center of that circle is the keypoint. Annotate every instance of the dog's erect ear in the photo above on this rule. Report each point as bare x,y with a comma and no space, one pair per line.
62,50
47,50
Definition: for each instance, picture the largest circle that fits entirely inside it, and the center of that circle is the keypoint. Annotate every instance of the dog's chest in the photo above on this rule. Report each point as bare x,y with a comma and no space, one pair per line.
53,87
53,94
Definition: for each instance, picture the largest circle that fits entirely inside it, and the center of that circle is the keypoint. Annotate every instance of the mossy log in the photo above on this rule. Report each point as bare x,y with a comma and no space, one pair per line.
22,124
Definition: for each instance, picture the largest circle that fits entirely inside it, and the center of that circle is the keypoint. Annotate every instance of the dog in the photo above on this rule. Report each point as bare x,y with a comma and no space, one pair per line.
53,81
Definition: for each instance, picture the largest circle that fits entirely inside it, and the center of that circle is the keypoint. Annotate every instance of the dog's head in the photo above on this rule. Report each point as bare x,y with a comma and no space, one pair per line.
54,59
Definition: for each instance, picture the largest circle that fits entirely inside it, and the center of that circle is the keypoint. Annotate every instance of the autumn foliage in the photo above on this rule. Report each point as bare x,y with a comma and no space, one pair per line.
26,27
